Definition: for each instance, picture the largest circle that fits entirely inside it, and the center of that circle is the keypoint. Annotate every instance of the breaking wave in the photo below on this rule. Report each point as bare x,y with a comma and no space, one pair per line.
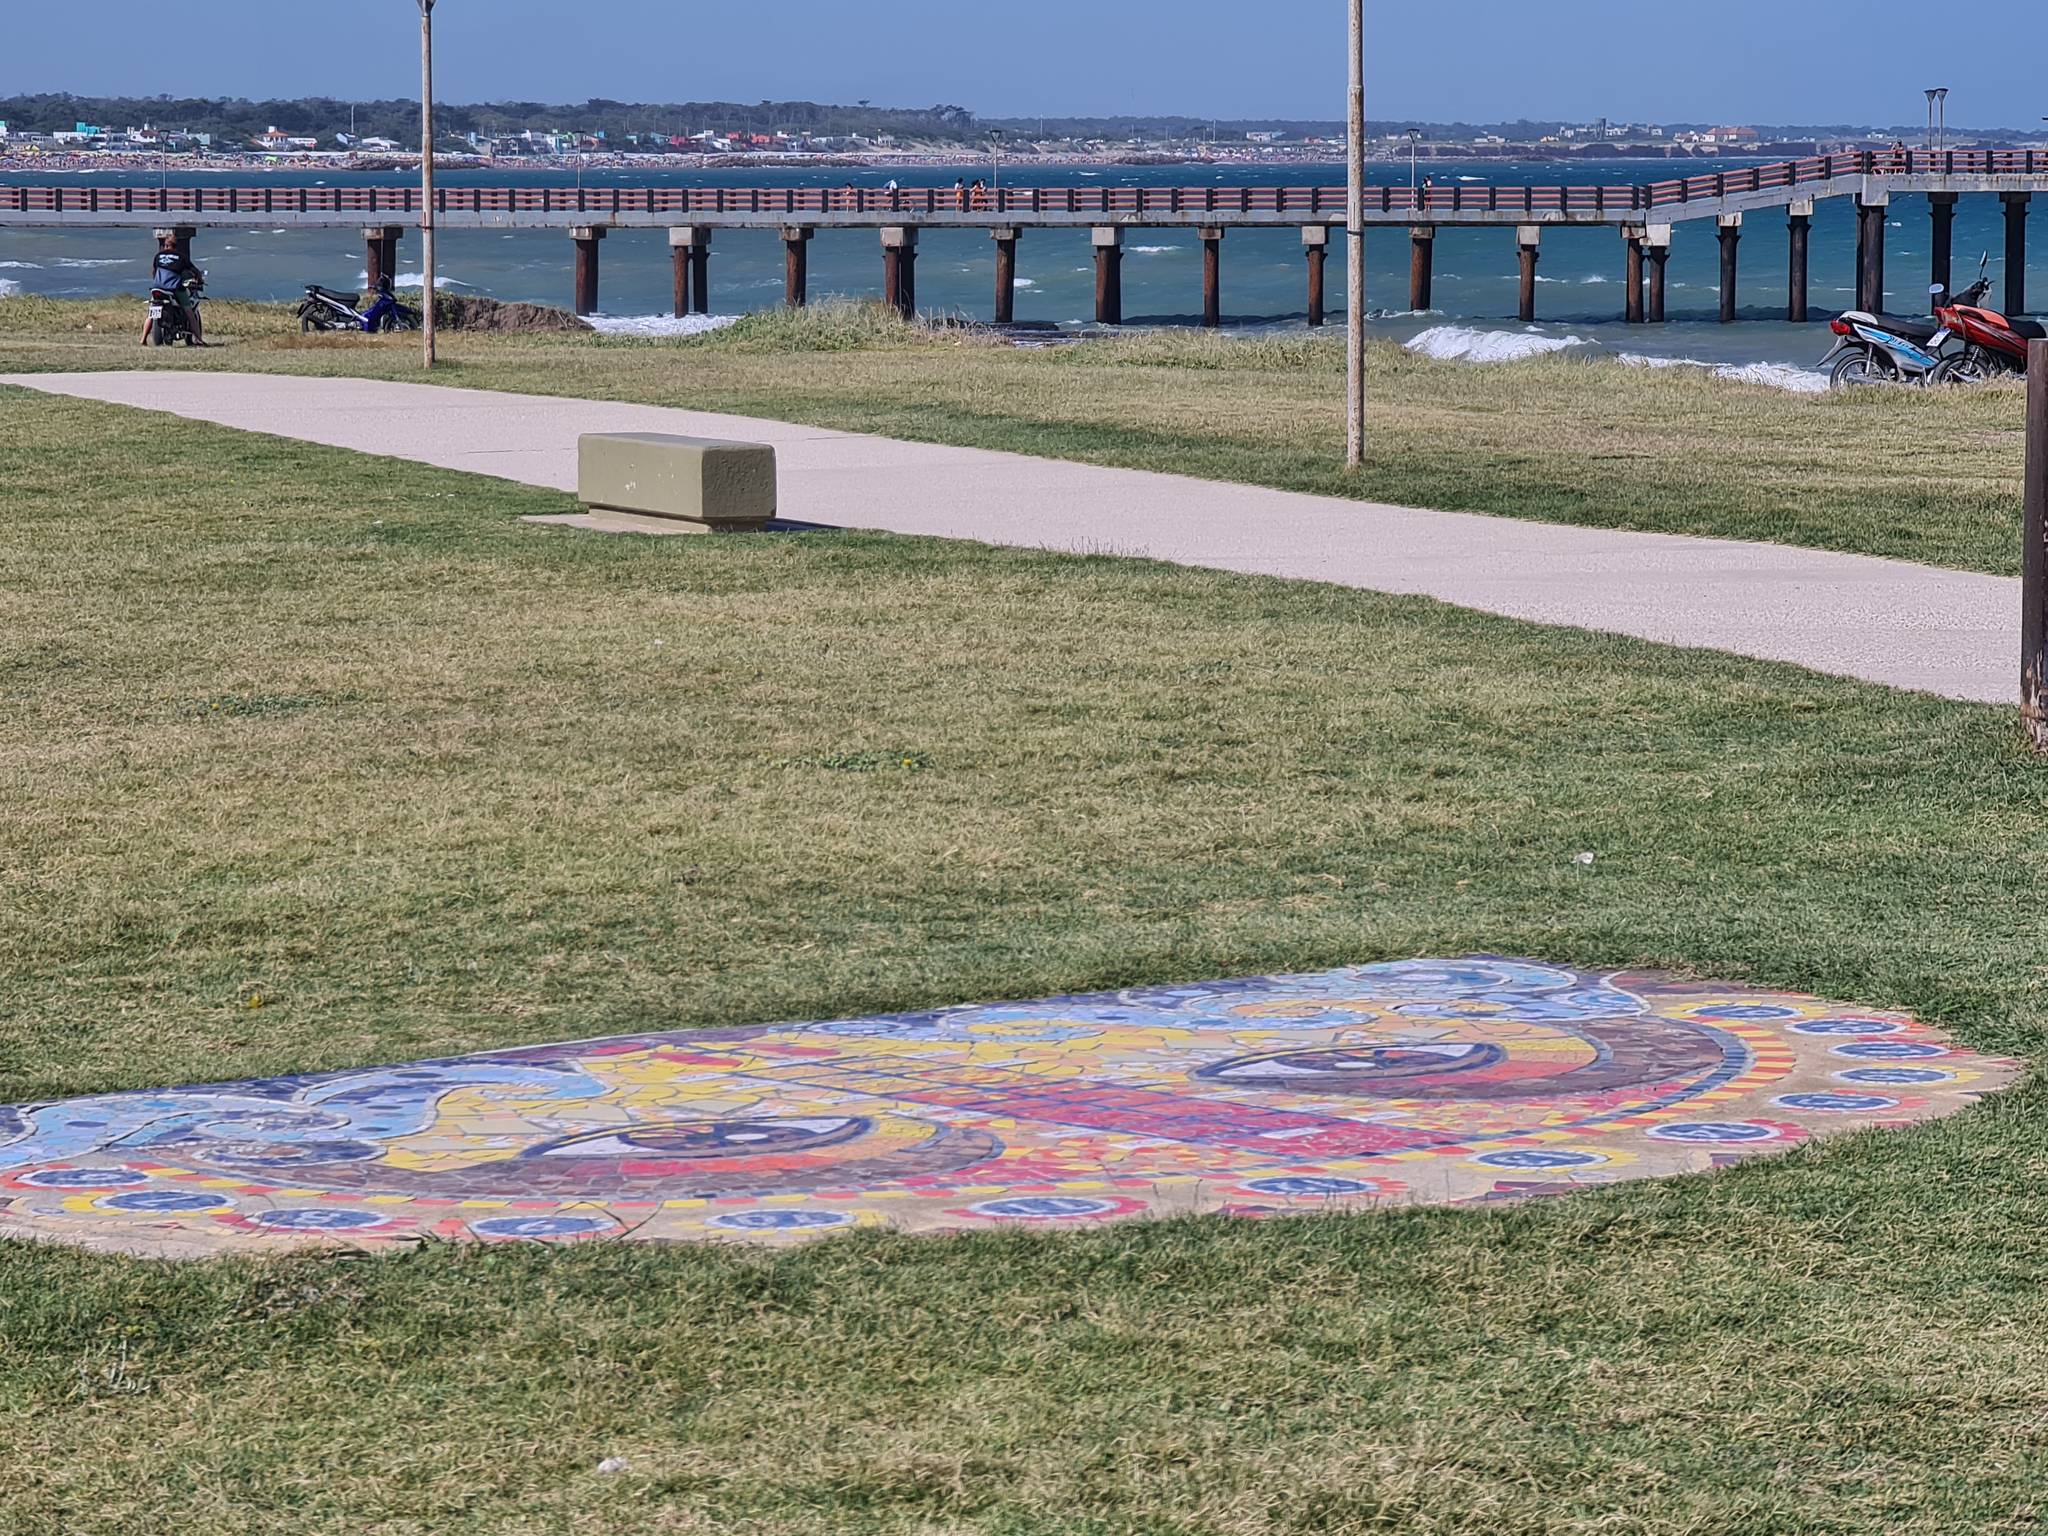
1797,381
659,325
1466,344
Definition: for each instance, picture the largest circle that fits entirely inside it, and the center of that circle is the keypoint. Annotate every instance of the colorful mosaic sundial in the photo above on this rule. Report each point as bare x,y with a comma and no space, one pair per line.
1436,1081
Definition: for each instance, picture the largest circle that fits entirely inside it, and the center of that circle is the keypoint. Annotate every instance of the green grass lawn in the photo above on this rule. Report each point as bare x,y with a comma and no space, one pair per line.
313,760
1932,476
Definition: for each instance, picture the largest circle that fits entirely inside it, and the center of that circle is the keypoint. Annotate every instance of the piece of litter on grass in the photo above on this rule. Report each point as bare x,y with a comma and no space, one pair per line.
1584,861
612,1464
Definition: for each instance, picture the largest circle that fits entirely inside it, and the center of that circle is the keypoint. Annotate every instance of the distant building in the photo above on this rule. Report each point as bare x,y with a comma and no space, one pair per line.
1263,136
276,141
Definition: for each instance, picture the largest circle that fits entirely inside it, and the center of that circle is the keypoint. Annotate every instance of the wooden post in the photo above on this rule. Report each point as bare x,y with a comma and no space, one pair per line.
1799,233
1731,236
1657,246
587,238
1942,207
1315,243
1212,277
899,269
430,285
2015,250
1527,237
1870,253
1109,276
2034,556
1632,305
1006,273
796,265
1421,265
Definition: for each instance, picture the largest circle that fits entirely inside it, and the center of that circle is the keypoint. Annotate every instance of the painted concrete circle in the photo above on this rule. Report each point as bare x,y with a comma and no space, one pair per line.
1421,1081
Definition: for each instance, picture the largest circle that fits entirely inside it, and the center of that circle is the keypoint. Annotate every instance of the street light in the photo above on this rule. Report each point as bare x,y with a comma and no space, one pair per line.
1941,117
1930,119
427,175
1414,138
1354,248
995,165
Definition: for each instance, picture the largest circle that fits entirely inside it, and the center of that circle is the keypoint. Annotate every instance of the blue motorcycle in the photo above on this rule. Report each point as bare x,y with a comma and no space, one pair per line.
1885,349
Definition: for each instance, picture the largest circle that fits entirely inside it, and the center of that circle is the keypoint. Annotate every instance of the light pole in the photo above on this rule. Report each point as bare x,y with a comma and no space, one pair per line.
427,176
1941,118
1930,119
1354,248
995,166
1414,138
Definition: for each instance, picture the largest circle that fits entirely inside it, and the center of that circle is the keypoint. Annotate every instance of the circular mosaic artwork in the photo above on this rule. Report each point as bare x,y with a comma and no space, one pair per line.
1438,1081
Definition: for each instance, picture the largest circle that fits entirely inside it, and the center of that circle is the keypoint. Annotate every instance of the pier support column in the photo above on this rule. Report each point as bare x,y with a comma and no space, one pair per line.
1632,303
1871,208
1941,206
1006,273
1527,237
1315,244
587,238
1798,236
682,249
1421,265
180,237
899,269
796,265
1731,237
380,255
2015,250
1109,274
1212,278
700,272
1657,246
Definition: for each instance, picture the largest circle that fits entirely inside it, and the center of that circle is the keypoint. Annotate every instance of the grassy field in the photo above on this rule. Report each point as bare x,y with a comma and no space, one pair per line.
1926,476
314,760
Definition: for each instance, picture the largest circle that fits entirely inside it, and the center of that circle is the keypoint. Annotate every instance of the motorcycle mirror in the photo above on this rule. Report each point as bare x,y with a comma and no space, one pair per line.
1937,288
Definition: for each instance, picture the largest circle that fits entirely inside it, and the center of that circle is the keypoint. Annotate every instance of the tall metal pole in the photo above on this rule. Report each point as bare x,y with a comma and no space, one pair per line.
2034,556
1354,250
427,175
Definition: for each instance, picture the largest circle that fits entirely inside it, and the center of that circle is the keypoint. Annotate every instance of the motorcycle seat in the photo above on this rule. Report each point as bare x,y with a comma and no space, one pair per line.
329,293
1907,327
2030,330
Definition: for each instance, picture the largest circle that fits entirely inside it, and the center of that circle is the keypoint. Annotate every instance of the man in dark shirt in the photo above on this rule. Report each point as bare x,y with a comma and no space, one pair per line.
174,273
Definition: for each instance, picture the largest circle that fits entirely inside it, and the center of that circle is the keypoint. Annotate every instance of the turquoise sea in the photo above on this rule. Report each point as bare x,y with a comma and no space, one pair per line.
1579,294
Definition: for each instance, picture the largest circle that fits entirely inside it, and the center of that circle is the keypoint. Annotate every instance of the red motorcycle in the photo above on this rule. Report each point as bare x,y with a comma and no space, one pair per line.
1993,345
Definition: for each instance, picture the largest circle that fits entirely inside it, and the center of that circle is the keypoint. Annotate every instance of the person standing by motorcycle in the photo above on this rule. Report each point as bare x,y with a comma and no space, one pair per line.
174,274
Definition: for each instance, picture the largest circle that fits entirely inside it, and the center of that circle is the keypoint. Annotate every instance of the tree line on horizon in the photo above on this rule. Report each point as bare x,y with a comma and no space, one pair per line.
238,119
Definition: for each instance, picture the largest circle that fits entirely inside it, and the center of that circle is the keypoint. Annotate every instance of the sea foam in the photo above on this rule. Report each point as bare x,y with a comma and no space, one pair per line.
1466,344
1797,381
659,325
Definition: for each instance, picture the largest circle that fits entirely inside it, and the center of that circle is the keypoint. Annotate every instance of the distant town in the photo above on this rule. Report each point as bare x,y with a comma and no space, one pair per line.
80,132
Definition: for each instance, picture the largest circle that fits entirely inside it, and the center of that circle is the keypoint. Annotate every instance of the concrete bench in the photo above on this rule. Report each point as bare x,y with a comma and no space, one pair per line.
690,481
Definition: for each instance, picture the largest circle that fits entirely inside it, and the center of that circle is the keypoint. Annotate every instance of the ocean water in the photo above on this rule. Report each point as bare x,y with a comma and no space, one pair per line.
1579,283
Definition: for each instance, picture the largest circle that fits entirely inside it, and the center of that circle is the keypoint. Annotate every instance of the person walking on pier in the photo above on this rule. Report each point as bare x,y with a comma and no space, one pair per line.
960,193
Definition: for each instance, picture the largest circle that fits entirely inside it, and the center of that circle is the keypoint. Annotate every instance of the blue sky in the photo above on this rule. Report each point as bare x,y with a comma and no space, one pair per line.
1761,60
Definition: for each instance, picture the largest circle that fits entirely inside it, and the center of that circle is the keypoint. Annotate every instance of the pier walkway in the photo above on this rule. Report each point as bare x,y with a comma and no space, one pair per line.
1646,215
1951,633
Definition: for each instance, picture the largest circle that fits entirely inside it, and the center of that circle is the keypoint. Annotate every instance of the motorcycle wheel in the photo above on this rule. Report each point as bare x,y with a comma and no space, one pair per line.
1856,369
1963,368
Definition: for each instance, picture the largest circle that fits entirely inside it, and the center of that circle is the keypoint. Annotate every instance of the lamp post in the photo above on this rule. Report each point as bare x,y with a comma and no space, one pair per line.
1354,248
995,166
1941,118
1930,119
1414,138
427,176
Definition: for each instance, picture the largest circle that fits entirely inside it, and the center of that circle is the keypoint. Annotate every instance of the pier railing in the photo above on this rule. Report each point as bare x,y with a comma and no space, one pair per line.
1313,204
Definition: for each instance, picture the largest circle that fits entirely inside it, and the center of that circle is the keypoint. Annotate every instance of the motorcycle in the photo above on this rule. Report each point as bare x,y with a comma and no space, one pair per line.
167,324
1992,344
1884,349
325,309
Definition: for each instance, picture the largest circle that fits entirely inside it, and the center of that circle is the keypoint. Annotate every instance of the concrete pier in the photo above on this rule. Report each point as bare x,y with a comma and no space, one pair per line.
1315,245
1006,273
1421,264
1108,240
1632,301
1731,237
1657,247
1527,241
796,265
1941,209
899,269
2016,250
1212,278
587,238
1799,238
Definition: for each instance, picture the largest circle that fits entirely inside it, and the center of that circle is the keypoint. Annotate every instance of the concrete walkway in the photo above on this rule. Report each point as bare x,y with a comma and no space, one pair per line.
1943,632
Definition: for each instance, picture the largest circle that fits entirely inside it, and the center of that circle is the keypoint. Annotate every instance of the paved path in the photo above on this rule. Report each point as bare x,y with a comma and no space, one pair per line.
1944,632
